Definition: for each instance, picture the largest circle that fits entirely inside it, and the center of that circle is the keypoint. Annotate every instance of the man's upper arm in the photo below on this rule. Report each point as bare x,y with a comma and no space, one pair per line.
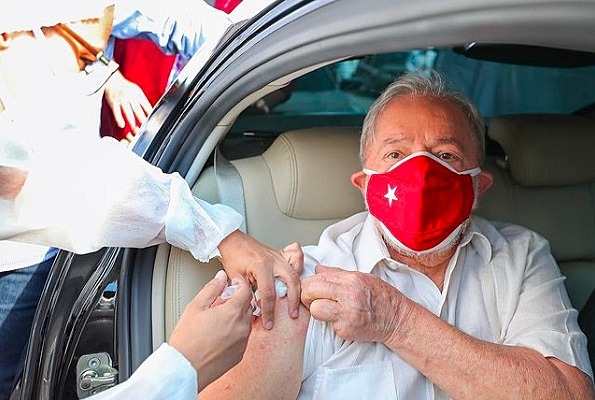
579,383
272,365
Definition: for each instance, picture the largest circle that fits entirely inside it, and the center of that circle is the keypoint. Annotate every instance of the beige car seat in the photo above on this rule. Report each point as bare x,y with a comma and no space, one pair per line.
546,182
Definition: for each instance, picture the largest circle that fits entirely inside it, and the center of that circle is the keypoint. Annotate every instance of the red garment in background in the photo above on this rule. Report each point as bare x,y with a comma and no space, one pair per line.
226,5
143,63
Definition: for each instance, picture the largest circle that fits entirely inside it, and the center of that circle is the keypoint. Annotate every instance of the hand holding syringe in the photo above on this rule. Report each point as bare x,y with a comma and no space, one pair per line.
280,288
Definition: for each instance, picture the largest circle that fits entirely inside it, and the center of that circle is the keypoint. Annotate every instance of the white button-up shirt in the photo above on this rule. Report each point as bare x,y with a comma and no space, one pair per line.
502,285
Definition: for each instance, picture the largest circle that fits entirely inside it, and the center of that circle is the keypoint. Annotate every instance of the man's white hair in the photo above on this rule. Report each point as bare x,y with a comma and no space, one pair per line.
422,84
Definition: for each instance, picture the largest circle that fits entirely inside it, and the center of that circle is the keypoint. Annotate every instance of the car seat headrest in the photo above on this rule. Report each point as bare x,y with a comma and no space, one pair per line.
311,170
547,149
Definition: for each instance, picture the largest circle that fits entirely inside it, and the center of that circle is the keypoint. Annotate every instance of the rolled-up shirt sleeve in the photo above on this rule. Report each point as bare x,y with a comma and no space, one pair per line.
543,318
82,194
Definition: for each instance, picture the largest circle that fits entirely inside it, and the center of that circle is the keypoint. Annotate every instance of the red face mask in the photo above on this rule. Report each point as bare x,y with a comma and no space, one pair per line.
421,202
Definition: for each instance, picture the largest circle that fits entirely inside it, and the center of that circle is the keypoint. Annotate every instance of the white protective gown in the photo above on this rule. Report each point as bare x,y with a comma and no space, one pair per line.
82,194
103,196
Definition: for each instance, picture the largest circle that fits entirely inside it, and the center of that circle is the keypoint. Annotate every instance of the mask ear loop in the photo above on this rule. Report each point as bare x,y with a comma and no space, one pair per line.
473,172
369,171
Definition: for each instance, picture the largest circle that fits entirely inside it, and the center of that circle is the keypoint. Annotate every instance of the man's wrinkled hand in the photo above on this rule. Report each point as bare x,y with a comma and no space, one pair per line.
359,306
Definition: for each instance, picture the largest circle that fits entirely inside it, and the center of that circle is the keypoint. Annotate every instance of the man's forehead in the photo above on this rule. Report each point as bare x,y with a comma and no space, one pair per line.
17,15
430,136
413,118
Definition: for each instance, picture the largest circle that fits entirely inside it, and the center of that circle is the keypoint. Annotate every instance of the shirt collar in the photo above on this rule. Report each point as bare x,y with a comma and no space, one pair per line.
369,248
478,241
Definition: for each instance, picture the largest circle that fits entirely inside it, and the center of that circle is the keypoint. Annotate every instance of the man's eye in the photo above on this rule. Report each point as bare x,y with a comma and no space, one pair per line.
393,155
446,156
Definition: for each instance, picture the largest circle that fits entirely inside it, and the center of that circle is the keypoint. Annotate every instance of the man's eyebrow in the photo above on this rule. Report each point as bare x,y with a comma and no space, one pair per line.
450,140
395,139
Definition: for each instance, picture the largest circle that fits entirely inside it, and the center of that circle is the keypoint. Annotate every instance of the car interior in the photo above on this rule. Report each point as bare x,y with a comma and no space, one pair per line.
286,161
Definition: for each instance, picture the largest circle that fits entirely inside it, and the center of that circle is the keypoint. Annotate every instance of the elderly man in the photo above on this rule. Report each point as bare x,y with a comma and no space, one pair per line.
415,298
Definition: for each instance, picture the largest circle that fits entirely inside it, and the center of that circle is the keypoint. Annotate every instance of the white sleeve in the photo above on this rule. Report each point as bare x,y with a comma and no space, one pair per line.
166,374
82,194
541,315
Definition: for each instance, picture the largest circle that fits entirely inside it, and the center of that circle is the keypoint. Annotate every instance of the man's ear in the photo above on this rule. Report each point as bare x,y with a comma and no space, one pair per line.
358,179
486,179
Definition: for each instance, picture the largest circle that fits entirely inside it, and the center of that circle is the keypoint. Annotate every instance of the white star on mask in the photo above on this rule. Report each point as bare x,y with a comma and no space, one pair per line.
391,195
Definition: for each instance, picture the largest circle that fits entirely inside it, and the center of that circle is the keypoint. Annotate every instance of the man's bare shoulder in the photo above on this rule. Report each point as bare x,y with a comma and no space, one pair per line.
272,365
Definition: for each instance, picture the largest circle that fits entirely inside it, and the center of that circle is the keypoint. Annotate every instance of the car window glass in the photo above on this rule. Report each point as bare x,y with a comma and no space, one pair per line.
341,93
349,87
498,88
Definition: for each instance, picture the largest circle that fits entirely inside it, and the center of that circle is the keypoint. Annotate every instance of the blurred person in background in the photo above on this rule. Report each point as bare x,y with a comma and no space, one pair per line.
152,42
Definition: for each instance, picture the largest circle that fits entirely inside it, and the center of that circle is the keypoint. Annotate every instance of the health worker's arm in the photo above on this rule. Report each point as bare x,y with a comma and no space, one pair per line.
81,194
210,338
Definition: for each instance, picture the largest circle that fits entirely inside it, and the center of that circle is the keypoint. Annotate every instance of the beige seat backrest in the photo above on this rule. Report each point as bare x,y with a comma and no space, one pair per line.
547,183
300,185
295,189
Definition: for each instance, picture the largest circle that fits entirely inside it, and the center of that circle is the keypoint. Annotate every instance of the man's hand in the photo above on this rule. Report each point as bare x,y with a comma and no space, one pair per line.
211,335
128,103
243,255
359,306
